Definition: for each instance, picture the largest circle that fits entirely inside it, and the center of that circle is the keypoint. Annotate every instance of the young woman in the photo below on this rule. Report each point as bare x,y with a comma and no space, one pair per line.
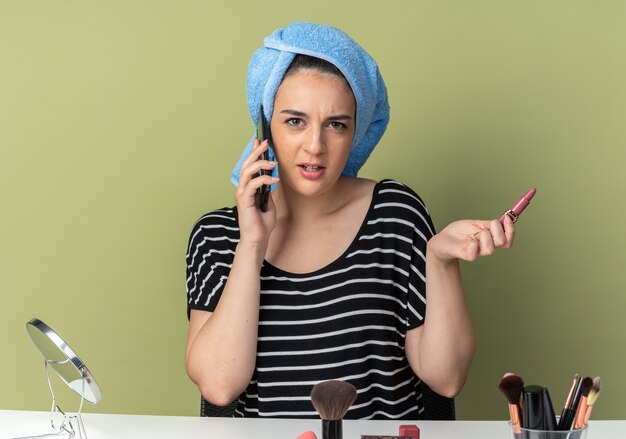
331,281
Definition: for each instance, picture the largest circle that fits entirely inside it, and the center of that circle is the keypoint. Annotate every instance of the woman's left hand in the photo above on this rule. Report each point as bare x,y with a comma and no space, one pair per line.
469,239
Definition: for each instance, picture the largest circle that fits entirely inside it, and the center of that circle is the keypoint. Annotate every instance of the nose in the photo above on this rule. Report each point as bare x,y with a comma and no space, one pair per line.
315,142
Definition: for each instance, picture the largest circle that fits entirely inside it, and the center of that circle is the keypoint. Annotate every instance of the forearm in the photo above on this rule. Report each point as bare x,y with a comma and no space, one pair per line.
447,341
222,355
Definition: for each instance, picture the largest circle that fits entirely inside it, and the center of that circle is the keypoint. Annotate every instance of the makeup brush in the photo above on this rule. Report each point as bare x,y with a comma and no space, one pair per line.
585,388
511,385
571,404
332,399
593,396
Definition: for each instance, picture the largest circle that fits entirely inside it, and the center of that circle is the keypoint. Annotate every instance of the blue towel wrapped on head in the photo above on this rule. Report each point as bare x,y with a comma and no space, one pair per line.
269,64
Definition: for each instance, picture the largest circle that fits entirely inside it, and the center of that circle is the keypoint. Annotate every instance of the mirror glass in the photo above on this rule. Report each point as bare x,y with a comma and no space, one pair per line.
60,357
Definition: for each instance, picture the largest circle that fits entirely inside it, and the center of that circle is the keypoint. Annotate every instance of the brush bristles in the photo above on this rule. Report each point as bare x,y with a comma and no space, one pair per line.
595,390
585,386
332,399
512,385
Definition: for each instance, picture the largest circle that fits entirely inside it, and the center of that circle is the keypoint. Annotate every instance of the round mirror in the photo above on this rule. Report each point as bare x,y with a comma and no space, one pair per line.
60,357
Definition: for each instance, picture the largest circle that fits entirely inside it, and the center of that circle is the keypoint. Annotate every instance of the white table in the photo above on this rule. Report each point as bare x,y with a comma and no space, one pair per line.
15,423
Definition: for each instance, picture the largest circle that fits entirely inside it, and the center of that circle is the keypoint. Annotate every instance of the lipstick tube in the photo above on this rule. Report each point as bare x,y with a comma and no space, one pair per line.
516,210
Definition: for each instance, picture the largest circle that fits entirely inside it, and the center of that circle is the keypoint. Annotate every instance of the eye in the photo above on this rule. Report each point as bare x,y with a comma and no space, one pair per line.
294,122
337,125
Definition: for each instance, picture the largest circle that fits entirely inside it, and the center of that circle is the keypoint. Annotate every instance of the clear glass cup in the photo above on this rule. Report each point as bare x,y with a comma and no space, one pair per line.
526,433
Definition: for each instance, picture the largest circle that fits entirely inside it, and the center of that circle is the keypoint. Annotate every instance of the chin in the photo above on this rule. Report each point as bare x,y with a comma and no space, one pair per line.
312,190
307,188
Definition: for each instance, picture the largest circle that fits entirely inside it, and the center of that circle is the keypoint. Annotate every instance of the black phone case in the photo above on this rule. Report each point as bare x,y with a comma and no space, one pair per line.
262,133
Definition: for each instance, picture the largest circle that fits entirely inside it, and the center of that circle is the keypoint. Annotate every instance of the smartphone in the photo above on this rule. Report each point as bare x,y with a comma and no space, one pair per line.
262,133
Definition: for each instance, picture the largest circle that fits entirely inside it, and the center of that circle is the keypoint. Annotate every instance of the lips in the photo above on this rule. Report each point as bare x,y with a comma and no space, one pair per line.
311,171
310,168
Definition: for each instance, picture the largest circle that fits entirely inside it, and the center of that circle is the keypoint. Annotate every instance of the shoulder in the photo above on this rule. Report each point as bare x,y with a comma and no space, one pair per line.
358,187
395,200
225,215
220,222
389,190
386,189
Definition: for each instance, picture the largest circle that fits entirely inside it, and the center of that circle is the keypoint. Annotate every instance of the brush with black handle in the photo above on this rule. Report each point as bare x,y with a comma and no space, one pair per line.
566,420
332,399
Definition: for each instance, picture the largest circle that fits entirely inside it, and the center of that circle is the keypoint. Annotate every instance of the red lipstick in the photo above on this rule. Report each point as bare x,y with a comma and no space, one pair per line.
516,210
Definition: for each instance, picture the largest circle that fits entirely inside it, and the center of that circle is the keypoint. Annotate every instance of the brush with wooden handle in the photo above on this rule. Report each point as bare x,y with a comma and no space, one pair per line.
585,388
591,399
512,385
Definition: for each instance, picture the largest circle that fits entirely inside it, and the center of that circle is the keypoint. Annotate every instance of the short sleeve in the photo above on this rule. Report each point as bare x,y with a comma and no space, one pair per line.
423,230
209,258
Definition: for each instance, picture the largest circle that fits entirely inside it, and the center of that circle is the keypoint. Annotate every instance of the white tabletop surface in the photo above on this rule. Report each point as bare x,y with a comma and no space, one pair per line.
108,426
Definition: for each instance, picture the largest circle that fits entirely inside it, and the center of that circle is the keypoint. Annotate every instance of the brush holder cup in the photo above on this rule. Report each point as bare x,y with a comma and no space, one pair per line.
526,433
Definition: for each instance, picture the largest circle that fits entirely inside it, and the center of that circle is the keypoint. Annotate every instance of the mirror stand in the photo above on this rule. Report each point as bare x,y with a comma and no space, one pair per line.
62,423
72,371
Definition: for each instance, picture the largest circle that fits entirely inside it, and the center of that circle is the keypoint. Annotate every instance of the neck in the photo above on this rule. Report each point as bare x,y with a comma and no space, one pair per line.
296,207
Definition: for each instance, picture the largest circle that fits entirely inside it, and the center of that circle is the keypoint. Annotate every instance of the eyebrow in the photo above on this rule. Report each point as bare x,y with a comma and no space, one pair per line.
302,114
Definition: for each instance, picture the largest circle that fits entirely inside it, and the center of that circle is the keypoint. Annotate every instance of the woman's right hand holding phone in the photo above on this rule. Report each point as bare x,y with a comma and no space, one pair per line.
255,226
224,341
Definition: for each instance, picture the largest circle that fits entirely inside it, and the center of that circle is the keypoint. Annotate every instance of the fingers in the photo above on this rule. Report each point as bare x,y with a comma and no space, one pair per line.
509,231
249,179
494,235
257,149
472,249
470,239
487,244
247,190
503,234
253,158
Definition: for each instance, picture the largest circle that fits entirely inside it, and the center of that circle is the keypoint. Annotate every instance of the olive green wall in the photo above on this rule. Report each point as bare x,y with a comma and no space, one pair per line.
120,121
